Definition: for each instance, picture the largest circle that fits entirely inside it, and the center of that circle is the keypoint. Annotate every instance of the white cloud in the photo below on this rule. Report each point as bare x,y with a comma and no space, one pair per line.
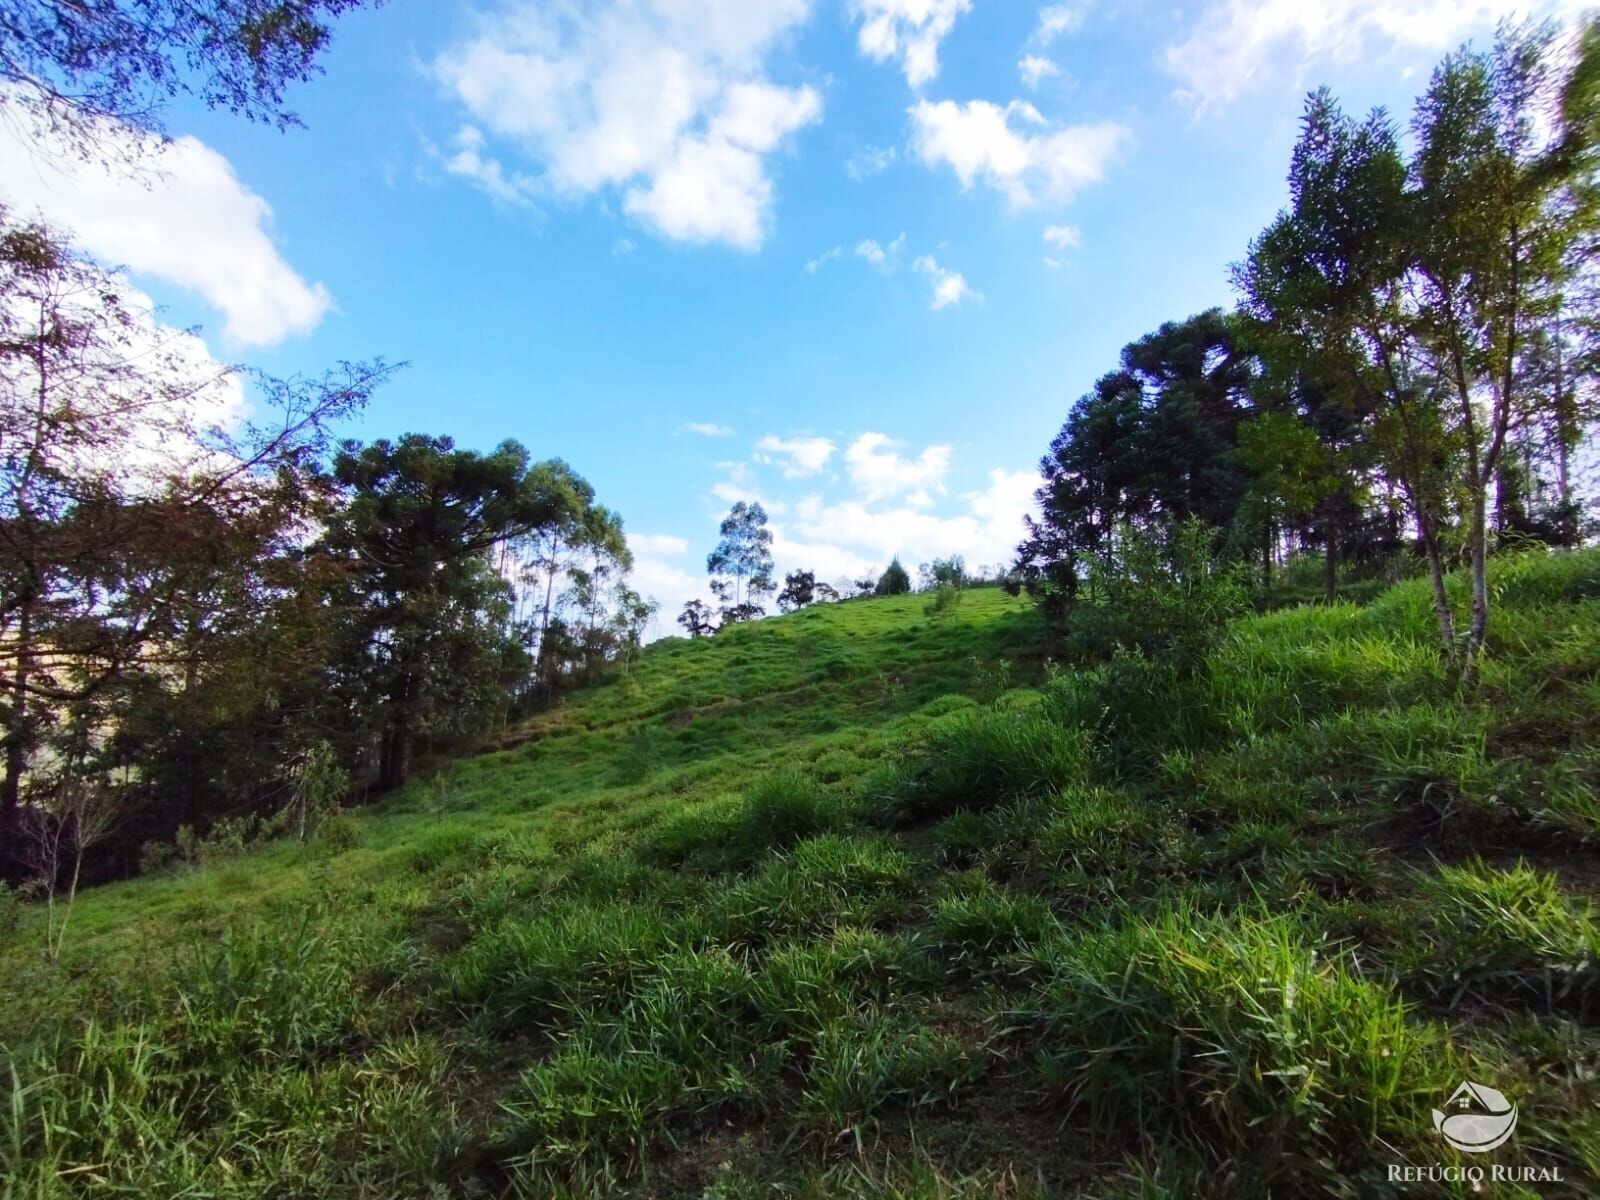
665,102
183,217
1032,68
798,456
980,141
664,545
878,470
468,161
622,247
656,575
1057,20
1237,46
884,258
870,161
949,287
907,30
813,265
741,485
848,538
1062,237
707,429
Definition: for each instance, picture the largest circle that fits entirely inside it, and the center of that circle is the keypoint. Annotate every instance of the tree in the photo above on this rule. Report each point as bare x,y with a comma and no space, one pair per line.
894,581
1503,189
1420,291
130,525
1153,444
79,65
741,564
698,619
425,650
799,590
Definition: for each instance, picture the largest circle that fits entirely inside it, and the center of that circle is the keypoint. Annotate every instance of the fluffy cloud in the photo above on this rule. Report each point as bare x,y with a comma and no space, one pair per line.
1062,237
1014,149
847,538
950,288
884,258
175,212
707,429
879,471
468,160
1057,20
798,456
1238,45
1033,69
894,503
909,31
662,101
660,573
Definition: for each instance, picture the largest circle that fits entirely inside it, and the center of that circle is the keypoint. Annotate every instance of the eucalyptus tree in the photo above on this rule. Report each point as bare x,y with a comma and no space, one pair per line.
741,564
1503,191
1419,290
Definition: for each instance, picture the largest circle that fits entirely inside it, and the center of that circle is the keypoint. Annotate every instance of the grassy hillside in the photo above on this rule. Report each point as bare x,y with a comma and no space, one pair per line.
854,903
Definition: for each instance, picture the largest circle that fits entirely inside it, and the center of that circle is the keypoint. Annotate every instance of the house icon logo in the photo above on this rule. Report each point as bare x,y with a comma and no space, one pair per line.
1478,1119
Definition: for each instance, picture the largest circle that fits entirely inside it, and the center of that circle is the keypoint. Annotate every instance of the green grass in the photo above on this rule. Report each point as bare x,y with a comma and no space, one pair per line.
873,901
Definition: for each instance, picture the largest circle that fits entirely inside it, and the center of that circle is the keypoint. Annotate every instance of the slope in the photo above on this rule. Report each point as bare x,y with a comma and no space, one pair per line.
856,902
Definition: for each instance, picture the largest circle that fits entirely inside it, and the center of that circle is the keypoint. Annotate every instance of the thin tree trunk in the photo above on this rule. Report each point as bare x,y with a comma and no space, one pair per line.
1330,566
17,734
1478,546
1441,597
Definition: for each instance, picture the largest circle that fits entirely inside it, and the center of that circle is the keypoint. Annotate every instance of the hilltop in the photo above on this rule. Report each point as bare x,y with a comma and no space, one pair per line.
864,902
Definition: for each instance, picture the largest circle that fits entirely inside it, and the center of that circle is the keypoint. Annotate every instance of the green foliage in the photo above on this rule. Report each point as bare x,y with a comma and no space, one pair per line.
894,581
1239,1036
946,600
1162,599
1115,931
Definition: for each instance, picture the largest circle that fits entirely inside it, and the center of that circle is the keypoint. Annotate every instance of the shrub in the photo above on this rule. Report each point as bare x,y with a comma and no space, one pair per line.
778,812
980,758
1504,936
1240,1035
1161,599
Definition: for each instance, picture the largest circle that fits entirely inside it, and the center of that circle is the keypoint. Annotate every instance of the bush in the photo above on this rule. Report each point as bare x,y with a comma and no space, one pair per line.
1162,600
1240,1035
977,759
945,603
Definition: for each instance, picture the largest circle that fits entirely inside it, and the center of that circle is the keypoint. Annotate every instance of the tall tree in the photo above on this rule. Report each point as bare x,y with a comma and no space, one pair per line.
426,648
1420,289
741,564
128,519
1503,189
1151,446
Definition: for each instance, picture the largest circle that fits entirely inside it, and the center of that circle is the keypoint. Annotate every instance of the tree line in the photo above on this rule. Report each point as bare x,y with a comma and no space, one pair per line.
1411,368
741,571
192,609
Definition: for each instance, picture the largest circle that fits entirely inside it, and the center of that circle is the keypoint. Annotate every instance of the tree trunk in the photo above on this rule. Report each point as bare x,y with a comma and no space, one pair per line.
1330,563
1441,597
1478,547
17,734
395,757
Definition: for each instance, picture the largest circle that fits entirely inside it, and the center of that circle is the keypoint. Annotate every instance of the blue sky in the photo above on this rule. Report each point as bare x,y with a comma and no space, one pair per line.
855,258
